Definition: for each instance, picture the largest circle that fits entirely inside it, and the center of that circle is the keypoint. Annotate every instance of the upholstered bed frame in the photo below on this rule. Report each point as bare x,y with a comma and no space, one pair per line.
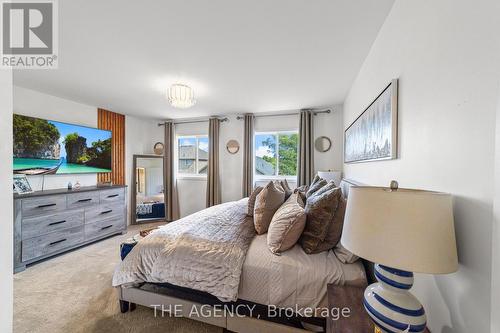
182,301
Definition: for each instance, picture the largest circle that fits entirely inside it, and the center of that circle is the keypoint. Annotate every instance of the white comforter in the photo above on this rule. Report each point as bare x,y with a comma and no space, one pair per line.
294,279
203,251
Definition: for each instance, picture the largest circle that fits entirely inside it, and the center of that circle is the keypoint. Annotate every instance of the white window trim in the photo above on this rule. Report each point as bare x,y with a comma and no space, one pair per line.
275,177
188,176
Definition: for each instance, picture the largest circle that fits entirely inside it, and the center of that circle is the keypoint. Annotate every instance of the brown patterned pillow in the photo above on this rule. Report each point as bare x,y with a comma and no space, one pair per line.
278,185
320,209
301,190
287,225
251,200
316,184
286,188
266,204
335,228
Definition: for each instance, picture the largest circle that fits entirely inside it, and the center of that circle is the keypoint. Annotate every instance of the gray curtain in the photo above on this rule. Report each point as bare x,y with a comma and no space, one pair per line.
306,148
248,155
213,181
169,182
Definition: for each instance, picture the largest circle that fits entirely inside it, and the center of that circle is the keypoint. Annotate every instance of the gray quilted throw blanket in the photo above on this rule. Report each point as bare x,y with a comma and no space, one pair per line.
204,251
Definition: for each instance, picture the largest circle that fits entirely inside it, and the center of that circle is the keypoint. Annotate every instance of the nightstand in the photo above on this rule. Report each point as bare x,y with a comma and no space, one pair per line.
357,320
347,297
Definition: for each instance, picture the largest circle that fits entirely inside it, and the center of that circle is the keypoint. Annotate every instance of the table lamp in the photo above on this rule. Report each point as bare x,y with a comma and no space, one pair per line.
402,231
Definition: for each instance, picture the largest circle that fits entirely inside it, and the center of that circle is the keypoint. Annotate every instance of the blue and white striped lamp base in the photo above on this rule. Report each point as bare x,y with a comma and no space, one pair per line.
390,304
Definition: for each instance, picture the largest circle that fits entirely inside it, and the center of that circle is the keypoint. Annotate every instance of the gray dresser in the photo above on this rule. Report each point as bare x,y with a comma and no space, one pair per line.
50,222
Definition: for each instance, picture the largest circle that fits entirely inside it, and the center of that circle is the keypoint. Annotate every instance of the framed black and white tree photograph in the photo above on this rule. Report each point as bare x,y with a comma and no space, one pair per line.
373,135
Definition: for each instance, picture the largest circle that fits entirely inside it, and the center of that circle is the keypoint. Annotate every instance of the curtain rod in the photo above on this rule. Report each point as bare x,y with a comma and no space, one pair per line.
191,121
285,114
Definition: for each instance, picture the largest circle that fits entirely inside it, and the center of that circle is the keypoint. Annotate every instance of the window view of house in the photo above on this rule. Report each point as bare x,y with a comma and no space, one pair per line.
193,155
276,154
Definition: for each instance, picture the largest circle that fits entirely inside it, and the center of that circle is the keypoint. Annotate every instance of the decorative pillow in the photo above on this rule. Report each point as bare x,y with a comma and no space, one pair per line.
287,225
316,184
320,209
334,232
286,188
301,190
278,185
344,255
266,204
251,200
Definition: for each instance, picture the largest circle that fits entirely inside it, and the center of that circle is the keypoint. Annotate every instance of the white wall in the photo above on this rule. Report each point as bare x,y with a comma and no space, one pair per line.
140,133
231,164
192,191
140,137
495,276
6,210
449,79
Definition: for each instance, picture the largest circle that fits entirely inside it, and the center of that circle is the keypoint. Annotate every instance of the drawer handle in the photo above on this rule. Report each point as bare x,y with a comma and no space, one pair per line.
58,222
106,227
106,212
47,205
112,195
57,242
85,200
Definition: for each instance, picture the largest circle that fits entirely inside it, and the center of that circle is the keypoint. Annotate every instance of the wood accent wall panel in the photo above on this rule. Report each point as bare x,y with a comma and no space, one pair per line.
115,123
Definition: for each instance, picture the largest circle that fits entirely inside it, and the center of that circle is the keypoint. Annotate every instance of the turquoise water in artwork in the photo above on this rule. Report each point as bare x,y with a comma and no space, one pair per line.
65,168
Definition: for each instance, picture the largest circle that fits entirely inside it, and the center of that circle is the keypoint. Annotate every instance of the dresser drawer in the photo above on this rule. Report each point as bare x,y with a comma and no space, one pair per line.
35,226
105,212
84,199
113,195
43,205
102,228
51,243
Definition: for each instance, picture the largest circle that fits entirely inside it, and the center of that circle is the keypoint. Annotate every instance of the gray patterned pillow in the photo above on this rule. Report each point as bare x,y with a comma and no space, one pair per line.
334,232
320,209
302,190
316,184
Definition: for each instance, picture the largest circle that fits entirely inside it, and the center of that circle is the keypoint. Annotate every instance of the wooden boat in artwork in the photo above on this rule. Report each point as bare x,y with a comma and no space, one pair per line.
39,171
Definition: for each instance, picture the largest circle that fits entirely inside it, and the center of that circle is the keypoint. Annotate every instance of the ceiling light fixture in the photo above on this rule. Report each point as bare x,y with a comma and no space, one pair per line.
181,96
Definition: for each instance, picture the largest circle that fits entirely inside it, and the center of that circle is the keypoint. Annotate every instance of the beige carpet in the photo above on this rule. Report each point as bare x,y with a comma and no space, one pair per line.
72,293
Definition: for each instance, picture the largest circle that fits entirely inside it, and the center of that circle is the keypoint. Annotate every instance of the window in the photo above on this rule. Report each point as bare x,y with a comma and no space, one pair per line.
276,154
192,155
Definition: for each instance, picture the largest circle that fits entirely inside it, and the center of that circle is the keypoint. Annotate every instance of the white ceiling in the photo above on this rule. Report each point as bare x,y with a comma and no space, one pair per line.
239,56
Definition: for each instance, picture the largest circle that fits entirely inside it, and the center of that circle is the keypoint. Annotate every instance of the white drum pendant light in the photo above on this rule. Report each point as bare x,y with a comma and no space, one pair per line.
181,96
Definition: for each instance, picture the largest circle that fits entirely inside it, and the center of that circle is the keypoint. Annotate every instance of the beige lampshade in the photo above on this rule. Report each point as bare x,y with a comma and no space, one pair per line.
410,230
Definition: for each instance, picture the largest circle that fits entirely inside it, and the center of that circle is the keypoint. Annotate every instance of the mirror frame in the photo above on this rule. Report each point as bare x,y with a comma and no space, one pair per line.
133,209
323,138
237,148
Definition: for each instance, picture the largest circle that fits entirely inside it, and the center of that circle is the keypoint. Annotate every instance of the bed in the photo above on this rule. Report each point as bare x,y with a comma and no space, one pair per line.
294,278
291,281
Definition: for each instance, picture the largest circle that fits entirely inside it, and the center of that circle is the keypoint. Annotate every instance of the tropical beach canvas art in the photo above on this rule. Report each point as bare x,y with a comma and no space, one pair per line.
373,135
44,147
